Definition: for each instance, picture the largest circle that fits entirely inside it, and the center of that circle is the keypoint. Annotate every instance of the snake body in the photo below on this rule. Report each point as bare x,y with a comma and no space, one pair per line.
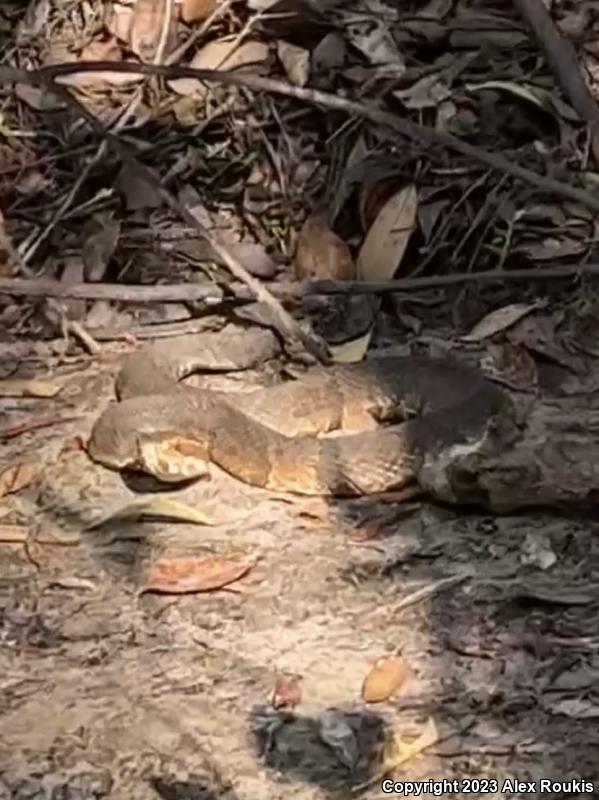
266,438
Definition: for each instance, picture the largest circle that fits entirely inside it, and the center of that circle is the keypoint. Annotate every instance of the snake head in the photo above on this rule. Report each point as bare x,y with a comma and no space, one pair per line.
138,434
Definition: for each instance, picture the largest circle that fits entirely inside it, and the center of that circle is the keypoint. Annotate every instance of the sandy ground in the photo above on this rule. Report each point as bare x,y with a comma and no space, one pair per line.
107,691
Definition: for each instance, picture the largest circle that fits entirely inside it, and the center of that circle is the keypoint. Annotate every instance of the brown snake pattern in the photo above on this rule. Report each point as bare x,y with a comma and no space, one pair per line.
267,437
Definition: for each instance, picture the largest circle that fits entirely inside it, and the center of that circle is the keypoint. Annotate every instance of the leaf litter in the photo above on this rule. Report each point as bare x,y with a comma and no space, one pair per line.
262,168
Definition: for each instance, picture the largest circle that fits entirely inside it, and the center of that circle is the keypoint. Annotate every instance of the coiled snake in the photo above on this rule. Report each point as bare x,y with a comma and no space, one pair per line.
267,437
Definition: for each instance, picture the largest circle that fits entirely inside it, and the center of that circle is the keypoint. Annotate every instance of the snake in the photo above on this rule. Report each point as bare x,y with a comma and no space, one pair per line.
344,430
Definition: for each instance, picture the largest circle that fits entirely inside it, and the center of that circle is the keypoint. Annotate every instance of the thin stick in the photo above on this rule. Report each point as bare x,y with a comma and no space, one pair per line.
45,287
286,291
561,57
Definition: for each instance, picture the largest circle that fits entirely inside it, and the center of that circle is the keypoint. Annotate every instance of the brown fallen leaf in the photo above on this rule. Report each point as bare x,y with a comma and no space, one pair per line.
385,678
197,10
161,507
118,21
220,54
146,27
17,476
379,257
295,61
185,574
372,197
352,351
388,236
514,364
499,320
320,254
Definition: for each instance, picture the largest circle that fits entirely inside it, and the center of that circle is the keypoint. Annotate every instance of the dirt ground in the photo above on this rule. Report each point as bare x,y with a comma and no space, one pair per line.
108,691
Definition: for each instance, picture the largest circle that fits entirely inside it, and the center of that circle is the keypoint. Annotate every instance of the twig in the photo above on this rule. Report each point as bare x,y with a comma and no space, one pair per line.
285,291
86,339
166,26
177,293
435,281
561,57
428,591
411,130
155,330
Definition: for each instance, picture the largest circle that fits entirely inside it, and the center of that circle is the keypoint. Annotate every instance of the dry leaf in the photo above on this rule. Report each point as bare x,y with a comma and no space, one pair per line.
551,248
373,196
100,237
514,364
166,508
379,257
388,236
182,575
428,92
573,707
38,98
146,27
17,477
296,62
35,20
320,254
329,53
138,192
374,39
221,54
533,94
17,387
499,320
401,748
108,50
352,351
197,10
118,21
384,679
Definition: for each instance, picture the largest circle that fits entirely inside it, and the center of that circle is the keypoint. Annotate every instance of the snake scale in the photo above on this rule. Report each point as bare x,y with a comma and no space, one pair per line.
267,438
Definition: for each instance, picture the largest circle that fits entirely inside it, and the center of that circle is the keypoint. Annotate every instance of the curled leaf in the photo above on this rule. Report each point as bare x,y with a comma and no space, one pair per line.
185,575
384,679
320,254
